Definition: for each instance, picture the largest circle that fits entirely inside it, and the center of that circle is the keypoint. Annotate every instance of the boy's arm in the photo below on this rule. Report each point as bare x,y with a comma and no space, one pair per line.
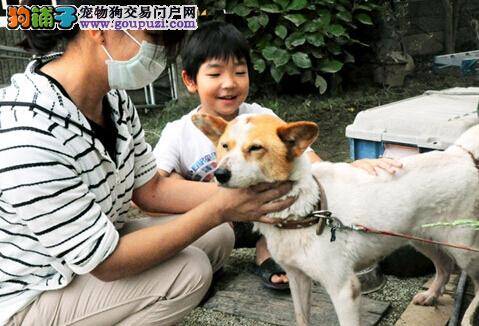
167,150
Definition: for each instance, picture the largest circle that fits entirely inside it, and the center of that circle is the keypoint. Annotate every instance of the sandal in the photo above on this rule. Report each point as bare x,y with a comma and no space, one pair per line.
266,270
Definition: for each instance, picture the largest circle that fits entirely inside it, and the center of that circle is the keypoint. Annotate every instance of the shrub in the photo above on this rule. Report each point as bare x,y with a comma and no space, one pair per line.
297,37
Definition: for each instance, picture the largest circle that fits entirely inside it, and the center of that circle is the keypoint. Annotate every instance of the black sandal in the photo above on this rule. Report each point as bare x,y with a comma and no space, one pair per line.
267,270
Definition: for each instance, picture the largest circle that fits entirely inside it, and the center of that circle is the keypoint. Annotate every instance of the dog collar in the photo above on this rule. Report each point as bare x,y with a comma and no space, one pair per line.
317,217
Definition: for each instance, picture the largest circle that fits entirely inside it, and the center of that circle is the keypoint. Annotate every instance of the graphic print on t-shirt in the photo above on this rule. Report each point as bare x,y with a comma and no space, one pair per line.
202,169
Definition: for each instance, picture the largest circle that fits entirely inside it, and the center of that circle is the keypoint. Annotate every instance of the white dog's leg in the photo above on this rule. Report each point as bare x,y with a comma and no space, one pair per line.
472,312
344,290
444,266
300,285
471,316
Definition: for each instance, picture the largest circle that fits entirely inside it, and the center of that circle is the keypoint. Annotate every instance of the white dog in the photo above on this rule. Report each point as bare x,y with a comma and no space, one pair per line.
431,187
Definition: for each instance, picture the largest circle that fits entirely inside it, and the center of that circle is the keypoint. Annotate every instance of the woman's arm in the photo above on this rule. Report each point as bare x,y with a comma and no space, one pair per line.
172,195
145,248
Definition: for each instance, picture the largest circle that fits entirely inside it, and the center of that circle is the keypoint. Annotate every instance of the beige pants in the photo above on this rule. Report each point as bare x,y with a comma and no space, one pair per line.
163,295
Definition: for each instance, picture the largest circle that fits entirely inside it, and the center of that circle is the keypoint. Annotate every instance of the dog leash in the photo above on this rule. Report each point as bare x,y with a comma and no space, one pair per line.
335,224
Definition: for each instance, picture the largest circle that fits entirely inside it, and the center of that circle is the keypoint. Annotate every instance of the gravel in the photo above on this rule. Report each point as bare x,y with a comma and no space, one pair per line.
397,291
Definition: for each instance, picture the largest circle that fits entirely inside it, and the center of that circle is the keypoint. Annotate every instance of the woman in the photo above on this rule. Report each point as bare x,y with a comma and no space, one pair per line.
73,157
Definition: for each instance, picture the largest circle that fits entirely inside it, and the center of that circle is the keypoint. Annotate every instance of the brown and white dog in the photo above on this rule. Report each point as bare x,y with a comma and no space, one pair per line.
431,187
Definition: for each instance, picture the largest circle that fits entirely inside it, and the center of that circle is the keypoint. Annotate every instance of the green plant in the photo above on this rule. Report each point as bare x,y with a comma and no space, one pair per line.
298,37
474,224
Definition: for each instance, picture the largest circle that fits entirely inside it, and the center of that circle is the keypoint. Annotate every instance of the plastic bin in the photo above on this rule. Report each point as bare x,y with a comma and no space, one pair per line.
432,121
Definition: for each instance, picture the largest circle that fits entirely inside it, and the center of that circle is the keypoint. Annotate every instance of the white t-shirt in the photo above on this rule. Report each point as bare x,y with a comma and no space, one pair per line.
185,149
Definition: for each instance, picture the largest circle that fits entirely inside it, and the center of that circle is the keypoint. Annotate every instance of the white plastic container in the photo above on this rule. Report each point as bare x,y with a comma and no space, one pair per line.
432,121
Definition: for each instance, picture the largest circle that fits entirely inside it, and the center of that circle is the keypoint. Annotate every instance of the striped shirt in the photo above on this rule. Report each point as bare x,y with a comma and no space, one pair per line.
62,198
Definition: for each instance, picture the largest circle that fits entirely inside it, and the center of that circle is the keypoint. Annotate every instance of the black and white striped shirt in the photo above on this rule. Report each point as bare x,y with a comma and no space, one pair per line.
62,197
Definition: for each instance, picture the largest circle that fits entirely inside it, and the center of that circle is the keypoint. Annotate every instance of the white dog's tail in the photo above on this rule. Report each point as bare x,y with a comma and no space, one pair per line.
469,141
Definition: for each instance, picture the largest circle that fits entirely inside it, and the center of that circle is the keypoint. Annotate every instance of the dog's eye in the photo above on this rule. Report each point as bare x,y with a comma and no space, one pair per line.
224,145
253,148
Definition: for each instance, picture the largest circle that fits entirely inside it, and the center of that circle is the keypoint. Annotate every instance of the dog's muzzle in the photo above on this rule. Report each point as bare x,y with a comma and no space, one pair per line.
222,175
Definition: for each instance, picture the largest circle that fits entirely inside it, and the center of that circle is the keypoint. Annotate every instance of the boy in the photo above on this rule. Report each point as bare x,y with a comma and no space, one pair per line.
216,64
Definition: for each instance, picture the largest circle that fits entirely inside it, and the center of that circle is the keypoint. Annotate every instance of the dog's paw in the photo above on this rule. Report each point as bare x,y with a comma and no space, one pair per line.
425,298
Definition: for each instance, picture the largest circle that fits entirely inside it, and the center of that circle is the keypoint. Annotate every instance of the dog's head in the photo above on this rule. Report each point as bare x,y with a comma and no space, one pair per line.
255,148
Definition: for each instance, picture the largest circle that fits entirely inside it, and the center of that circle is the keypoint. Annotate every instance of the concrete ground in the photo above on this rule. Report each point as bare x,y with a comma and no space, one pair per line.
398,292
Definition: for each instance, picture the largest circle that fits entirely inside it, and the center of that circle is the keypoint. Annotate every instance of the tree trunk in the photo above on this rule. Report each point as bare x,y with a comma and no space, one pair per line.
457,7
449,41
452,10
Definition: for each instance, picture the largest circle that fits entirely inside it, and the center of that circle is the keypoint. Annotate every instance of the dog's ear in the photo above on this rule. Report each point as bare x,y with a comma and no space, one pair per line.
213,127
298,136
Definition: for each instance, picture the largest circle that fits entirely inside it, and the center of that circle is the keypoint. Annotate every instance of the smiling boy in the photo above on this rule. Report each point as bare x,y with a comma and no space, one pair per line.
216,64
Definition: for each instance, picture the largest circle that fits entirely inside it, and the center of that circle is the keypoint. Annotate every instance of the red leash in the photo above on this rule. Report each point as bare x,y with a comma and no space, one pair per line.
362,228
336,225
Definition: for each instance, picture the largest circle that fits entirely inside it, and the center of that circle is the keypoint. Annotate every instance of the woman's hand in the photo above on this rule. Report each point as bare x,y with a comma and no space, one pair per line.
373,166
253,203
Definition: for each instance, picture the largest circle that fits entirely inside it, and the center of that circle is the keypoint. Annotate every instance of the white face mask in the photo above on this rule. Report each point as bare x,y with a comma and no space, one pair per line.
139,71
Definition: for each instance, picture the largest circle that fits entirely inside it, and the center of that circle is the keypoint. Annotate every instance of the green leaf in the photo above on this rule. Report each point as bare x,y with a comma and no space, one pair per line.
281,31
259,65
321,84
281,57
269,52
253,23
291,69
263,20
331,66
296,19
282,3
315,39
364,18
276,73
251,3
363,7
313,26
306,76
297,4
294,40
348,57
263,42
325,16
336,30
317,54
345,16
230,5
301,60
241,10
270,7
334,48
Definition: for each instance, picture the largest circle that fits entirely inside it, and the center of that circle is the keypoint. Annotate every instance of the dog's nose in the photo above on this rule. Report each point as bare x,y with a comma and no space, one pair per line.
222,175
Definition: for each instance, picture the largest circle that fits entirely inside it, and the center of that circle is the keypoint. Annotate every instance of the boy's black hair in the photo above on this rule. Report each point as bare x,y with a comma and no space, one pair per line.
214,40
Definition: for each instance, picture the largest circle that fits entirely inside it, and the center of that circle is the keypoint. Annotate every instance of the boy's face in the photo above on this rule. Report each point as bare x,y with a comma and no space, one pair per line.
221,85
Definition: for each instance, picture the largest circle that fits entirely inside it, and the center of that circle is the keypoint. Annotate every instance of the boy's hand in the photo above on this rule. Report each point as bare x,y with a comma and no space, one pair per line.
253,203
373,166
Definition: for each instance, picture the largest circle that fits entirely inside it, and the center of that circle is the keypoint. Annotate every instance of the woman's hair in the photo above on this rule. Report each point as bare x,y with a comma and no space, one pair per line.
45,41
214,40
